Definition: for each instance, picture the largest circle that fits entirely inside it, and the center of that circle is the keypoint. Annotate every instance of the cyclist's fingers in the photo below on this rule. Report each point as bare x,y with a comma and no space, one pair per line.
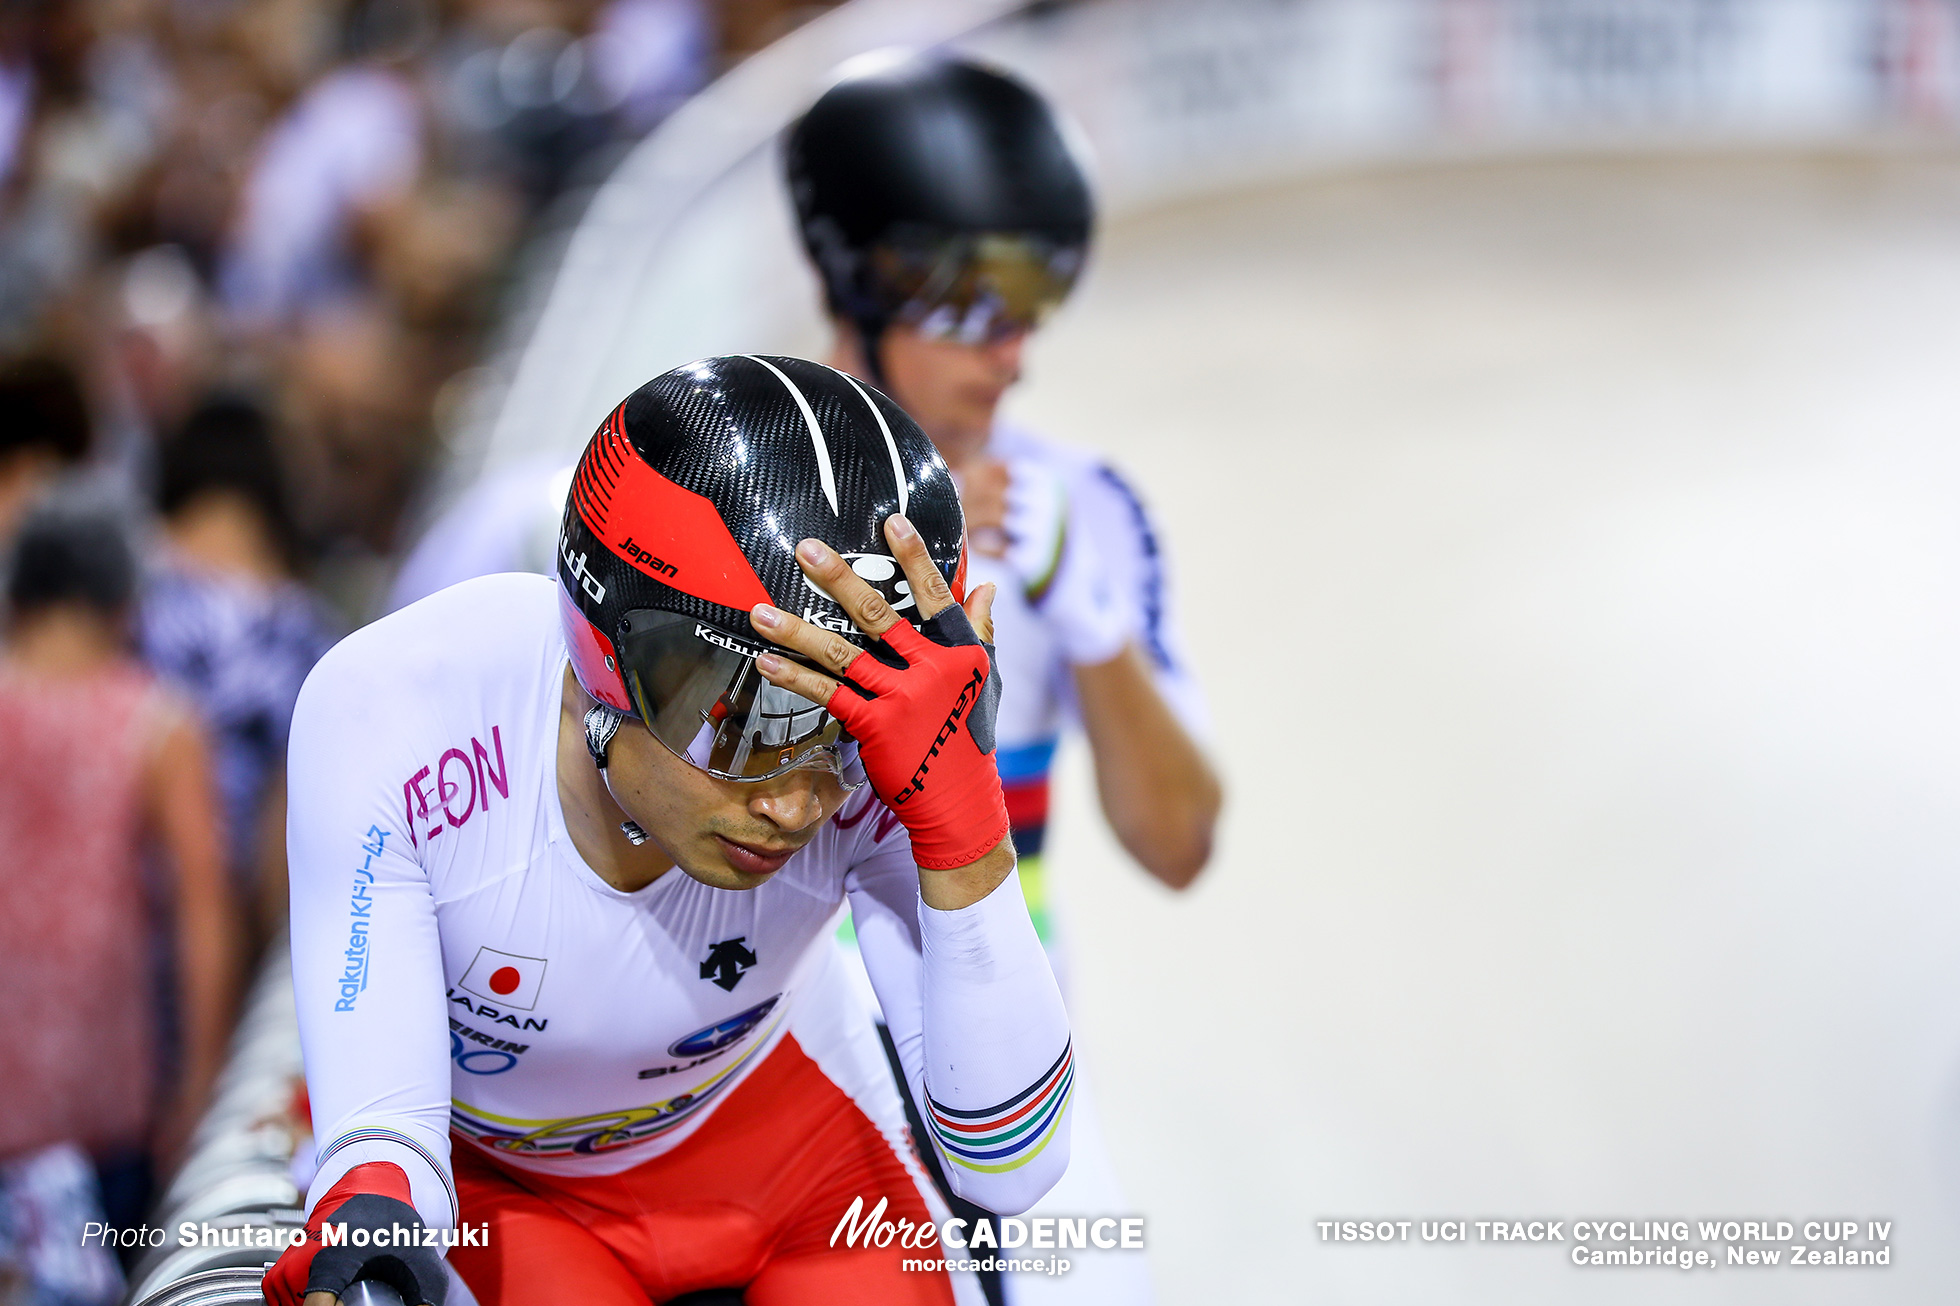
828,648
796,678
929,589
829,572
980,611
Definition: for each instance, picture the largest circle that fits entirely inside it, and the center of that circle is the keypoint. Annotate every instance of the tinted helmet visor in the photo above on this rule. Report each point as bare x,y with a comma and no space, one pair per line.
973,289
697,689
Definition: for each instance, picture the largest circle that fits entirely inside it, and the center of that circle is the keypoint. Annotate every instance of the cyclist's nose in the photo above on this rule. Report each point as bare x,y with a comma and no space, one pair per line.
1005,355
791,802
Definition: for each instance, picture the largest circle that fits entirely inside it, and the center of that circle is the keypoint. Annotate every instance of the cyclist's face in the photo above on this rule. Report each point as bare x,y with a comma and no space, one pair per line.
950,389
724,833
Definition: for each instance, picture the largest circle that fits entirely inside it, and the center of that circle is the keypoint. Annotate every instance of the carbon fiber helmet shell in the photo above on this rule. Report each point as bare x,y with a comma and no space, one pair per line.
933,142
693,494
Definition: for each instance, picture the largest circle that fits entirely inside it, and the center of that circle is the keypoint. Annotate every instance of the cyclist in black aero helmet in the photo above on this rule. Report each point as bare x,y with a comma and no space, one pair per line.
947,215
940,196
606,1082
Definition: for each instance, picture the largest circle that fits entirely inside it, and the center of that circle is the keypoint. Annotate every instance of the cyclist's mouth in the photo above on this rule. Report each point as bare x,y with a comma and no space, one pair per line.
754,859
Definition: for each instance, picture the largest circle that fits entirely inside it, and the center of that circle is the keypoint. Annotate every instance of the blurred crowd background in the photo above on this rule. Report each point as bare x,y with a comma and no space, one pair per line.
271,269
308,207
247,248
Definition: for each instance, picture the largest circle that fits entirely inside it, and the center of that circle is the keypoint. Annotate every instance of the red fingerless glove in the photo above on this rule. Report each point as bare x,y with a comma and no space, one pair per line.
926,737
286,1283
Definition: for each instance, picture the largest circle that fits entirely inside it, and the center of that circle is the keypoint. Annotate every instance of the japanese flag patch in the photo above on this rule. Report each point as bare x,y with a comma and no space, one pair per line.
504,978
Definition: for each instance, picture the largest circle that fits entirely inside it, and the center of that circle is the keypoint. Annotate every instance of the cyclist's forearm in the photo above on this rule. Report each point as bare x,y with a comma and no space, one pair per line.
952,890
996,1052
1158,792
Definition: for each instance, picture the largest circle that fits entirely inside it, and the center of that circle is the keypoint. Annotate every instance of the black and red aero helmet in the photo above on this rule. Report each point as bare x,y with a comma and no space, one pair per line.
686,509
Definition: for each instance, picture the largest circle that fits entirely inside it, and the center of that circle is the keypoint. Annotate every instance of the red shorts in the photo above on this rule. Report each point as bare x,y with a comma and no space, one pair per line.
749,1201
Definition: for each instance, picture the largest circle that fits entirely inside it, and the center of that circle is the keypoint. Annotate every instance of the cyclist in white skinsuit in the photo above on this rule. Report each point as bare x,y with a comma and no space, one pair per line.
1086,632
505,1025
946,215
464,908
1059,501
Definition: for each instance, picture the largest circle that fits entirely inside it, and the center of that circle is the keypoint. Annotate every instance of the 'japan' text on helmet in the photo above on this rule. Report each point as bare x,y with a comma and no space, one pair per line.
940,193
685,511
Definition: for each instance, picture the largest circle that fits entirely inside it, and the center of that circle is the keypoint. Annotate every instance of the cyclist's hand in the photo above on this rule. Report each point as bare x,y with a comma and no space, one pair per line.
925,731
983,486
371,1197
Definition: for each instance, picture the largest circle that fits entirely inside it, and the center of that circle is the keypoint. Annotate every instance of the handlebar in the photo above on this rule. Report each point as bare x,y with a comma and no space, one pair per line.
239,1286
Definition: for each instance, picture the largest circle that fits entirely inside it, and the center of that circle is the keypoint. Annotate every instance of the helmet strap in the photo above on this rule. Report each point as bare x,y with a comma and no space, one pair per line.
602,722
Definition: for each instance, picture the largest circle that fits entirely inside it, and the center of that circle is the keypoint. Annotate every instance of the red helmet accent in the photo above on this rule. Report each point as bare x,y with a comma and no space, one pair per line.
959,576
659,529
594,660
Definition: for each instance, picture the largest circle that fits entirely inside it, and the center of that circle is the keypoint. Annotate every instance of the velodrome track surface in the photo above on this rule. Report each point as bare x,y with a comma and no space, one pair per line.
1571,552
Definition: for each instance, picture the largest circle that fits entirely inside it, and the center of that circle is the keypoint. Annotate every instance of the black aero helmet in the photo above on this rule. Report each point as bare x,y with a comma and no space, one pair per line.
939,193
685,511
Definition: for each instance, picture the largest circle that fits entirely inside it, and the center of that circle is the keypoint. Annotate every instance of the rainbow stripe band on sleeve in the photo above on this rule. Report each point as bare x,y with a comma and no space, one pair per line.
376,1135
1008,1136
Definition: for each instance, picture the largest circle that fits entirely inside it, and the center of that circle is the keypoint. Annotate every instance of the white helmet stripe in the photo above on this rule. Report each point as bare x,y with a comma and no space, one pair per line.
898,466
824,471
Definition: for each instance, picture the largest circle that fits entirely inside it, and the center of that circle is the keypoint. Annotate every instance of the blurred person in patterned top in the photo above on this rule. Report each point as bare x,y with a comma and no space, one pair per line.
224,620
104,772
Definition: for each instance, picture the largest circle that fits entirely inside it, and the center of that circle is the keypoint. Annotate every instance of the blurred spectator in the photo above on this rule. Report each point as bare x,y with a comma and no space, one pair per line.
352,145
101,767
317,200
649,55
313,201
357,392
223,620
44,426
56,164
44,1197
155,350
163,350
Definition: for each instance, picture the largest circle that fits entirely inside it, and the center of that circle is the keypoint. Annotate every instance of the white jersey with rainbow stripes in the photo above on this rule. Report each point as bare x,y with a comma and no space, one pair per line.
1107,527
